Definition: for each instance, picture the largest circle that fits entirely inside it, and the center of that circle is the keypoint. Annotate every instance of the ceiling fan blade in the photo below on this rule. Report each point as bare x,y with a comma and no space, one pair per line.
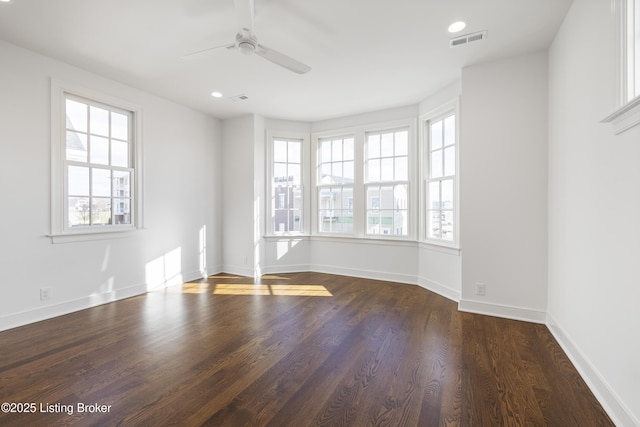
282,60
244,14
210,49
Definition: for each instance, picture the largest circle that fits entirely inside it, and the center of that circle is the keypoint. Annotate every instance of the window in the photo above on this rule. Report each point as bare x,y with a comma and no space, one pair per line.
628,113
440,182
387,182
98,164
287,196
631,49
335,178
95,168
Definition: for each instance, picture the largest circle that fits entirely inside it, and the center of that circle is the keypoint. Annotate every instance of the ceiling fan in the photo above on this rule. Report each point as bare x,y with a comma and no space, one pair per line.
247,43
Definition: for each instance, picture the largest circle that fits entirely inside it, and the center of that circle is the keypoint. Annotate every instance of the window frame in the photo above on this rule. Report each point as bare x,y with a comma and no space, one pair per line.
271,136
627,113
61,232
359,196
381,182
320,186
445,110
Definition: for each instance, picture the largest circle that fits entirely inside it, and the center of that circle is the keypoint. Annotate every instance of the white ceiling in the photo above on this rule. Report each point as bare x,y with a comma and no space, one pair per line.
365,55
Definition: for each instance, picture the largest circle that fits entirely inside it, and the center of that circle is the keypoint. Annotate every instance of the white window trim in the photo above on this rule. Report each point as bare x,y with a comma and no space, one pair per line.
452,106
359,197
59,232
317,186
304,170
627,115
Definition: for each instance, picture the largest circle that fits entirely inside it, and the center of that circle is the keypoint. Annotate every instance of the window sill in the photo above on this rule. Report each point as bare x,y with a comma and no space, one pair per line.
625,117
87,236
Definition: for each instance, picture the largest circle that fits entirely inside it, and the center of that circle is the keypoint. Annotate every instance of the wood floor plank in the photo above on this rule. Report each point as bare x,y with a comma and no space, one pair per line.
291,349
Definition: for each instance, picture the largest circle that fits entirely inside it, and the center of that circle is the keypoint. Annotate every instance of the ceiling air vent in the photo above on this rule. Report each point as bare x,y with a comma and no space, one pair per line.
467,38
239,98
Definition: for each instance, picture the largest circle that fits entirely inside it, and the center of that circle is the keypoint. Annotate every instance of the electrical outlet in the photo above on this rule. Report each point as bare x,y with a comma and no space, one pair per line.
481,289
45,294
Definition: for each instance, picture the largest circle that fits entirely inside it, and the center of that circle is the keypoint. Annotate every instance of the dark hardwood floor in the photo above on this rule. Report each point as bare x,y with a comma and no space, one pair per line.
292,350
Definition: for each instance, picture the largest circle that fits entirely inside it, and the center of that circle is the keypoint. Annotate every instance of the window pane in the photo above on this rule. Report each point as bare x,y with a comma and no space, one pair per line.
373,223
400,197
119,154
348,172
325,151
280,151
99,121
100,211
450,130
76,115
100,182
348,149
346,202
294,173
373,170
79,212
324,198
434,195
280,173
119,126
76,146
294,152
402,143
636,55
386,222
450,161
402,168
386,169
325,172
121,211
373,197
336,151
121,184
386,145
400,223
99,150
436,164
78,184
434,226
387,197
436,135
447,225
297,197
447,194
373,146
337,172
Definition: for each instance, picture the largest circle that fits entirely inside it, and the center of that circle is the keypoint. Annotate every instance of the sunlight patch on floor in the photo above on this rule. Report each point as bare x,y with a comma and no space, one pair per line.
262,289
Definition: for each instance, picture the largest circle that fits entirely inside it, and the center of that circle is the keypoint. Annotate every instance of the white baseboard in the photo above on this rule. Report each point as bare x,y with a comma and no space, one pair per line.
239,270
36,315
291,268
439,289
505,311
612,404
365,274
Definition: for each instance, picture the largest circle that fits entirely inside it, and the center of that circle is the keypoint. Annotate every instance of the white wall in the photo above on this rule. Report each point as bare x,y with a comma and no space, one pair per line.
238,216
594,213
504,187
181,154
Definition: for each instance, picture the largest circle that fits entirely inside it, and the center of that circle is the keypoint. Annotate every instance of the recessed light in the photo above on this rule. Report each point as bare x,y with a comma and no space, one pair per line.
6,1
216,94
457,26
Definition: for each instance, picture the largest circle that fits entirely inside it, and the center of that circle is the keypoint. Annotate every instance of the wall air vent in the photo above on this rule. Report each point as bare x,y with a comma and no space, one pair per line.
467,38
